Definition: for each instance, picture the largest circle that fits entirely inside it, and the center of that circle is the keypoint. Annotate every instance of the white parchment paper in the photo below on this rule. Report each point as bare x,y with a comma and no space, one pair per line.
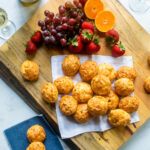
67,126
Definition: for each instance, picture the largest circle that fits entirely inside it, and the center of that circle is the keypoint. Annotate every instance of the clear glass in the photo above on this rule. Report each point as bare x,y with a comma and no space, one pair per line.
7,27
140,6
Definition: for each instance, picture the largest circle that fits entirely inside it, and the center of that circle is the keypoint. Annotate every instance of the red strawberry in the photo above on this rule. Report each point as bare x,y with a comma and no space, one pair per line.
87,25
75,45
36,37
112,37
93,46
83,1
118,50
30,47
86,35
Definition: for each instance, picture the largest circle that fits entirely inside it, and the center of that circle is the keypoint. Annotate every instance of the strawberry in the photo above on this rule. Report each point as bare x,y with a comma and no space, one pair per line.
118,50
83,1
86,35
36,37
75,45
87,25
30,47
112,37
93,46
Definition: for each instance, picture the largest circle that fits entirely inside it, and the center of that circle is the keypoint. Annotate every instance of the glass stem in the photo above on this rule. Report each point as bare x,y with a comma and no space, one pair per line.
2,38
7,31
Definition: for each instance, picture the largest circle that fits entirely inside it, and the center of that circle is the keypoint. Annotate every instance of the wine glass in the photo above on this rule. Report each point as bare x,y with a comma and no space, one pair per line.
7,27
140,6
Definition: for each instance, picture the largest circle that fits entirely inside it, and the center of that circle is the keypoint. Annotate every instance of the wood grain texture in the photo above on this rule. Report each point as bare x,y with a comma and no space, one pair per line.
135,40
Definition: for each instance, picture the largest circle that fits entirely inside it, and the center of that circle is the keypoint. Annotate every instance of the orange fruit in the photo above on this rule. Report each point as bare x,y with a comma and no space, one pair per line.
92,7
105,21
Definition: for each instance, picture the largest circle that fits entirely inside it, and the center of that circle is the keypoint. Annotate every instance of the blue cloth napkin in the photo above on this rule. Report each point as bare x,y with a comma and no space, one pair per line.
17,138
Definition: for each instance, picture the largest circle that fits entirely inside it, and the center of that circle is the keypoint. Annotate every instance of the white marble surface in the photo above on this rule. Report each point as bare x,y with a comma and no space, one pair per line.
142,18
14,110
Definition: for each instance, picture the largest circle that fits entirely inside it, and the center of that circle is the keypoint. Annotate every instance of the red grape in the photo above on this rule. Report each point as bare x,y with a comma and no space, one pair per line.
58,35
43,28
46,12
46,33
47,39
76,28
57,19
56,29
79,5
41,23
64,19
74,14
48,20
83,1
51,15
71,10
51,27
52,39
82,20
74,33
63,42
70,28
72,21
78,18
58,15
76,2
53,31
68,4
62,9
83,15
59,28
65,26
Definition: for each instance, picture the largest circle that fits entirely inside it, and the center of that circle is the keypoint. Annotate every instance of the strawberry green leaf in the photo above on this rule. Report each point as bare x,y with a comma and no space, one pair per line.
96,40
110,40
25,44
121,46
33,33
87,35
73,41
90,20
69,41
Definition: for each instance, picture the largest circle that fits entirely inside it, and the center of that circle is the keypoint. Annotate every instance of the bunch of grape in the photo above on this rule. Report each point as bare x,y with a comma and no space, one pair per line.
66,24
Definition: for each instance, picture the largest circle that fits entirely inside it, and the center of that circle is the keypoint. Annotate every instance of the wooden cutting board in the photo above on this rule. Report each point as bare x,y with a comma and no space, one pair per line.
134,38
